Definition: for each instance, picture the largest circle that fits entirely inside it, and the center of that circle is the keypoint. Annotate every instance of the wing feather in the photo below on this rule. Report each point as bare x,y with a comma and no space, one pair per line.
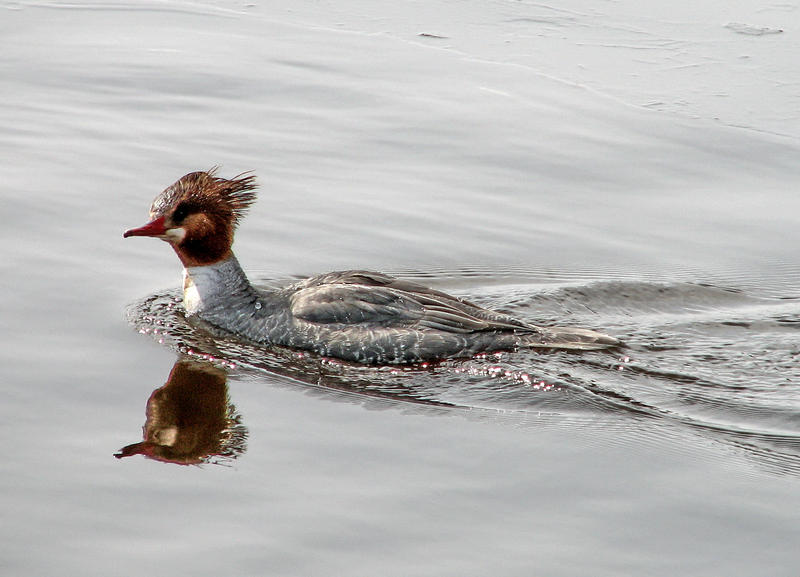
354,297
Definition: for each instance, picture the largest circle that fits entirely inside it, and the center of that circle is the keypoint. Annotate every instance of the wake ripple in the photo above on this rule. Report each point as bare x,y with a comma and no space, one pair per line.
718,362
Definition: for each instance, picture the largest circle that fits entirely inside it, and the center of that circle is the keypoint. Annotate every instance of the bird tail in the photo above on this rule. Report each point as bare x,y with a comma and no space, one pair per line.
569,338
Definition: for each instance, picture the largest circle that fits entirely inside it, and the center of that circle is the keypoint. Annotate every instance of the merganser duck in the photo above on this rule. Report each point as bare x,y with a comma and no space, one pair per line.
355,315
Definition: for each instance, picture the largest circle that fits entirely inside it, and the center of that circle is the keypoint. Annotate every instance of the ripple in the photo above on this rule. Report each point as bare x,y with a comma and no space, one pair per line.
718,362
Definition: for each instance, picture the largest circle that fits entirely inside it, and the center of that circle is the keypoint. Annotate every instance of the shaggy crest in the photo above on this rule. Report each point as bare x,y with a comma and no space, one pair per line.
229,197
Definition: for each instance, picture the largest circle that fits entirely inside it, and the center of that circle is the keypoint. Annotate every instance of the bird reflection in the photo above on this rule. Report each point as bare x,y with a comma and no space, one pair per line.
190,420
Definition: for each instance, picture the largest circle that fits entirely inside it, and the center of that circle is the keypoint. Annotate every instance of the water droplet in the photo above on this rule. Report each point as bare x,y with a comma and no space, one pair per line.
258,305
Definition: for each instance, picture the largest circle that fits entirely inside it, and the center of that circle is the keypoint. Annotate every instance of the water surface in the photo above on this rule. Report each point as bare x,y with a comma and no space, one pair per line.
573,165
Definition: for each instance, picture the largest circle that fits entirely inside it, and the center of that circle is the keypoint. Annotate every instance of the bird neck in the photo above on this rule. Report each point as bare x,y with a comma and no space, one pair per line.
213,289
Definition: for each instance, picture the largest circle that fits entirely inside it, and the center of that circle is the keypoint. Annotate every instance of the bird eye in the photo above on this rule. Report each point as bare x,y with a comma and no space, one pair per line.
181,212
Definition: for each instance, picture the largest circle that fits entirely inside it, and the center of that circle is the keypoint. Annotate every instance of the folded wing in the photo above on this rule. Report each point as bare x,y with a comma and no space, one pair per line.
353,297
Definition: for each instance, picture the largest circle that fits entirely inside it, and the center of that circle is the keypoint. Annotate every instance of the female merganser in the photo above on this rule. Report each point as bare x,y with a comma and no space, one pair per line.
354,315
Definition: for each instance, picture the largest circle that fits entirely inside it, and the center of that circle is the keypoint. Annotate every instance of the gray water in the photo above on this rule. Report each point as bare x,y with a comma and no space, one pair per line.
611,167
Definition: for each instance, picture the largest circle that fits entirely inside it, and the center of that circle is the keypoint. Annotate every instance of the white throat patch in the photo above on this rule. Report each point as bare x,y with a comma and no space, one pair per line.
191,296
176,234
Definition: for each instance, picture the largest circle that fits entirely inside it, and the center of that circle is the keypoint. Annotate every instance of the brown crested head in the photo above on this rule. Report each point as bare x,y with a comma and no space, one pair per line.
198,214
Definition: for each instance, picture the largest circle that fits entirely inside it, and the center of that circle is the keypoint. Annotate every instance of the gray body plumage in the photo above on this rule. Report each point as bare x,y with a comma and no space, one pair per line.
364,316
